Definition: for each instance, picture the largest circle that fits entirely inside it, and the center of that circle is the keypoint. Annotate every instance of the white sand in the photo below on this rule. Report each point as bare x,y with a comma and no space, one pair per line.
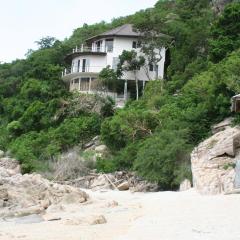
139,216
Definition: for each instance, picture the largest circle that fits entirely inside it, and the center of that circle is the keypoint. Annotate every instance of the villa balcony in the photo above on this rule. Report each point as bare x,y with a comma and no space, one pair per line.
95,49
92,71
86,51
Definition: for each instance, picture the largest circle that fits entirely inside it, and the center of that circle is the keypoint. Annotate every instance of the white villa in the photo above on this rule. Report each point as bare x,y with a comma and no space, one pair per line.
103,50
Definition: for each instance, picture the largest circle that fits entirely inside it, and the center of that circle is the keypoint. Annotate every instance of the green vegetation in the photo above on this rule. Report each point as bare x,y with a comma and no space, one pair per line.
154,135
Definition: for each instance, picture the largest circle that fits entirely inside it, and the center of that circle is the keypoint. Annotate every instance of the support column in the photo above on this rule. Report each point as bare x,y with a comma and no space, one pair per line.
90,82
125,90
79,84
143,85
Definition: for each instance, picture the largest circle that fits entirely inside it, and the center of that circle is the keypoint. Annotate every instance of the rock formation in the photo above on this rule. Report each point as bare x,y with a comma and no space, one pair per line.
185,185
215,162
30,193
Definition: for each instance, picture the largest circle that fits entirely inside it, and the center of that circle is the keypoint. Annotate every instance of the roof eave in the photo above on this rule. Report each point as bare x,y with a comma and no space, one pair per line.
92,39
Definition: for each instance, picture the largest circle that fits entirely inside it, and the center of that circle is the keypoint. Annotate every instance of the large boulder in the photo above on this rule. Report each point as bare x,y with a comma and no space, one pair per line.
214,162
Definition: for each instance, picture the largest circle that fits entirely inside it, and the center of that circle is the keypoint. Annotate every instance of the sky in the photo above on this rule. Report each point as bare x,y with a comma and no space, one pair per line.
22,22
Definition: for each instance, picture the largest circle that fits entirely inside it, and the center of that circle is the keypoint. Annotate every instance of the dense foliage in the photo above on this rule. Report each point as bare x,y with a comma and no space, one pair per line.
175,115
154,135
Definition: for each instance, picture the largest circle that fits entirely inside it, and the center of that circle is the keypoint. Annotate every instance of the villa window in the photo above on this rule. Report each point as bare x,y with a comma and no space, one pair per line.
137,44
78,65
134,44
151,67
109,45
98,46
84,65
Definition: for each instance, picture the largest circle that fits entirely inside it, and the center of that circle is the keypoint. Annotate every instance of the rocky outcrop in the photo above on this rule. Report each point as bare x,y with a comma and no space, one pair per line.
30,193
214,162
87,103
222,125
218,5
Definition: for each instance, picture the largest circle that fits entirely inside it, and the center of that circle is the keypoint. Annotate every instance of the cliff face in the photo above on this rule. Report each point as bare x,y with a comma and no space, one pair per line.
215,162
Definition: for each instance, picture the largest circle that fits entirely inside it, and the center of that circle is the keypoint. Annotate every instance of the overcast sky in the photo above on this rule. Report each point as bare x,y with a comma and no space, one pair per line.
22,22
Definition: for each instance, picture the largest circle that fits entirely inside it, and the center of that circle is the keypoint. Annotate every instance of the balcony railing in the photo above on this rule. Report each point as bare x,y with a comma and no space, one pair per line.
95,49
86,69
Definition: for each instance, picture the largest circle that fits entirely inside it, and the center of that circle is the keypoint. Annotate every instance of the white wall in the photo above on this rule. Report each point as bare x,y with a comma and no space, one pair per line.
121,44
97,62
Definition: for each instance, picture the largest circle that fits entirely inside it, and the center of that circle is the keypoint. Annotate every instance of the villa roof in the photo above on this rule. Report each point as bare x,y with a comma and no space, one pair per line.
125,30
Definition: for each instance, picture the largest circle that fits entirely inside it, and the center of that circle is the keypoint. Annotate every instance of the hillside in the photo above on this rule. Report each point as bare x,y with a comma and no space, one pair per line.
154,135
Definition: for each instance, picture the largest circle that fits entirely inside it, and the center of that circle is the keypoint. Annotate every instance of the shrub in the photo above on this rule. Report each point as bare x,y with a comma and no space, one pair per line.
160,155
124,159
14,128
22,149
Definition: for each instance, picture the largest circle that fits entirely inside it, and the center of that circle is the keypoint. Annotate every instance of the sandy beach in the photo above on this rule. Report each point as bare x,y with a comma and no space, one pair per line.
138,216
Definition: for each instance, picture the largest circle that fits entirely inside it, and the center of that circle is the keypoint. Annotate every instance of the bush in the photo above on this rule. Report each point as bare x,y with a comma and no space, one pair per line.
22,149
14,128
159,157
124,159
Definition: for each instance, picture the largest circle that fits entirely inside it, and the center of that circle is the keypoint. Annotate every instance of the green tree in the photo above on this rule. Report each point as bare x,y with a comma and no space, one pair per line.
130,61
46,42
225,32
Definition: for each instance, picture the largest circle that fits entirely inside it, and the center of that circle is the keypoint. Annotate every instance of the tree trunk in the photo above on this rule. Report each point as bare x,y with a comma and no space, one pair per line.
137,94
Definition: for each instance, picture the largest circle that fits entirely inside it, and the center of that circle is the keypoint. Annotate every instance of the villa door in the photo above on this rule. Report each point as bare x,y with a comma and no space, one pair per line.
99,46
